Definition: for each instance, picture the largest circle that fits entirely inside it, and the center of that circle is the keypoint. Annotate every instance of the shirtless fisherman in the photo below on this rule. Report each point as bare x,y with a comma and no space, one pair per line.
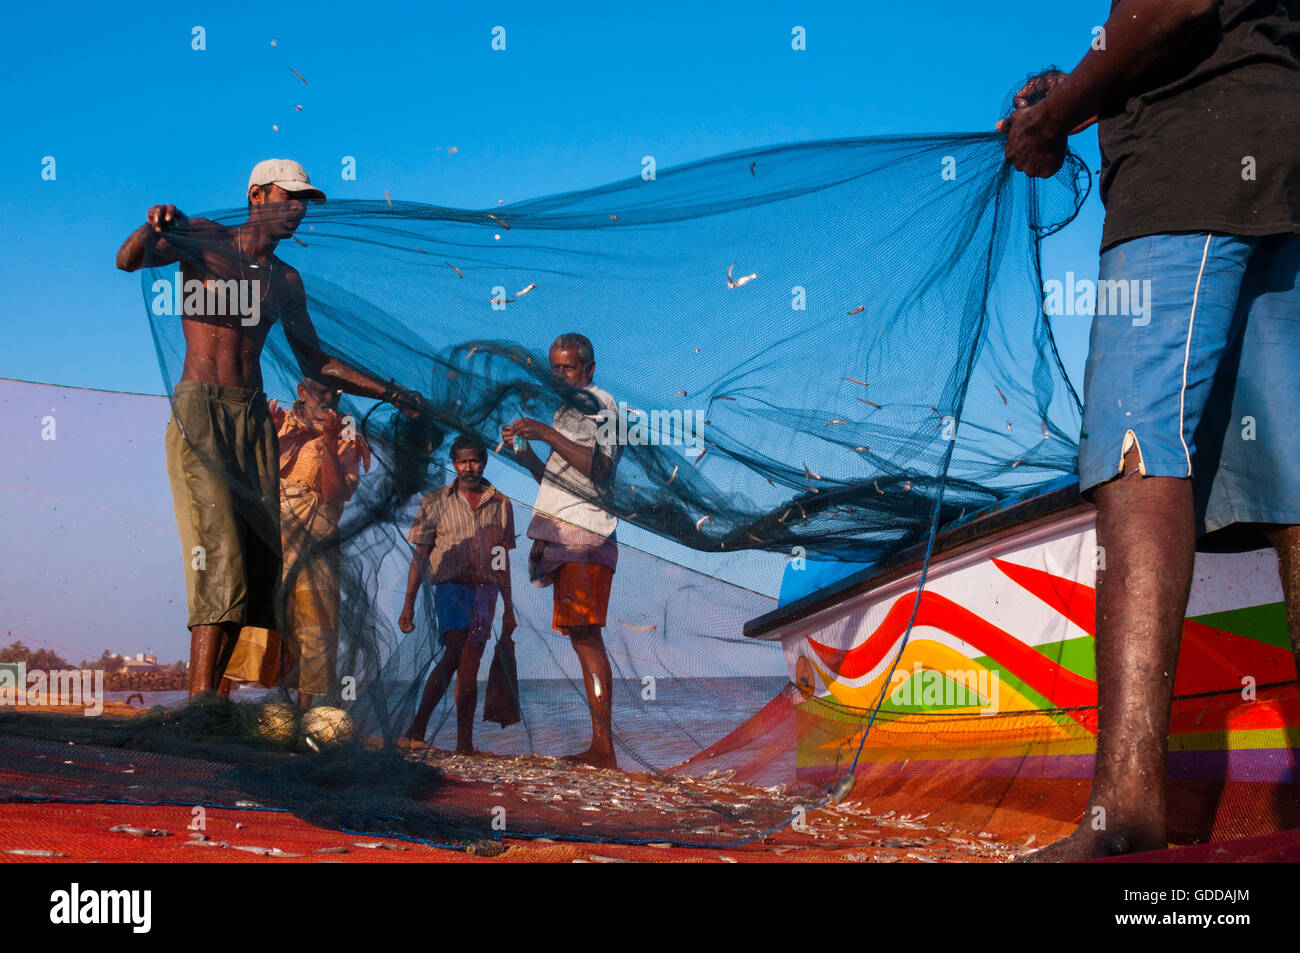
222,452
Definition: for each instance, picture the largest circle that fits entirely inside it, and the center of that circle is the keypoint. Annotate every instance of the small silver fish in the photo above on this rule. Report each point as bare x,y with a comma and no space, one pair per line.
139,831
737,282
638,628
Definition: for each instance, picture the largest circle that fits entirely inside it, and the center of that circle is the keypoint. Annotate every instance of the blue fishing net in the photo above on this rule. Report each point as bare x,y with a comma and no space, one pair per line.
813,335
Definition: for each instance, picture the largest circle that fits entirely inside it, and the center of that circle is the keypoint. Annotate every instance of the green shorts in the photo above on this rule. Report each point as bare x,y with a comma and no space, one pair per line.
223,463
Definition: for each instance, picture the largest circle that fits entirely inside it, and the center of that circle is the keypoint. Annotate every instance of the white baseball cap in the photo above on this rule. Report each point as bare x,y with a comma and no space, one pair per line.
288,175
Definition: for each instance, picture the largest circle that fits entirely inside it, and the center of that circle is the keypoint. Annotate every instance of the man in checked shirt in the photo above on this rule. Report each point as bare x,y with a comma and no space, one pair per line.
462,535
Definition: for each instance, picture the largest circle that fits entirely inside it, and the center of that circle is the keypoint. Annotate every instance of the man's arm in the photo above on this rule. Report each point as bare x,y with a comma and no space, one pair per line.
414,576
591,462
301,333
148,244
333,474
1140,35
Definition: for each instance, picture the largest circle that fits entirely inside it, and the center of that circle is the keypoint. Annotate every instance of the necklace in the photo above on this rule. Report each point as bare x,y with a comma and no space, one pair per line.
270,269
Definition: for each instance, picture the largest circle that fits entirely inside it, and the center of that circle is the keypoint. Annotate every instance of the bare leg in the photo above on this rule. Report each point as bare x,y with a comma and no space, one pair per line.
304,700
467,695
210,649
439,679
1146,526
1286,540
225,652
597,678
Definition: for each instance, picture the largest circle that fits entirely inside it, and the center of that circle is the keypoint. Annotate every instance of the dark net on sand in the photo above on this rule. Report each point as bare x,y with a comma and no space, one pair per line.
825,349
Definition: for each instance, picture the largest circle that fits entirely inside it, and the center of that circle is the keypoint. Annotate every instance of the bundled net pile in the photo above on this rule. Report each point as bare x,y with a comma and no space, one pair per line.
825,350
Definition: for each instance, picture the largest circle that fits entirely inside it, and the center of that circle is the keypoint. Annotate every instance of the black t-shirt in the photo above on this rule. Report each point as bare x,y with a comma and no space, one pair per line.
1212,140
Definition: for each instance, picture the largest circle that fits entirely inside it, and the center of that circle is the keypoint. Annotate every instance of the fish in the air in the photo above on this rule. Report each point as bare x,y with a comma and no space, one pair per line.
638,628
737,282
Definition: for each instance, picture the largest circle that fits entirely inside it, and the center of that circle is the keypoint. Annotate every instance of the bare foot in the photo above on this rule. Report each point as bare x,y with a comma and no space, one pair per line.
473,751
411,744
1087,844
597,759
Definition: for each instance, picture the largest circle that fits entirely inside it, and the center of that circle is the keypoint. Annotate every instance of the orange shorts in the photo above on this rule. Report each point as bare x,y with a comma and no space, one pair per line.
581,594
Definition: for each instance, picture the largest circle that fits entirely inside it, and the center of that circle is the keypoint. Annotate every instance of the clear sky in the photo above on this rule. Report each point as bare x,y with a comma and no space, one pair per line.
131,114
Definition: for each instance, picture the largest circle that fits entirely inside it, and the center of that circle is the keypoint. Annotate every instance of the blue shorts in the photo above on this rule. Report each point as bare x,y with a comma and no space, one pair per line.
466,606
1195,361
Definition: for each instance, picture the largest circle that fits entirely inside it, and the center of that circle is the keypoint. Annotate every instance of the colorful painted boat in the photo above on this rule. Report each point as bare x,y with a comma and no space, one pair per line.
989,715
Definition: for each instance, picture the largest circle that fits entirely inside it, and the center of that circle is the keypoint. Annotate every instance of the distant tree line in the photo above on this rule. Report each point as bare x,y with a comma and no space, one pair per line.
115,679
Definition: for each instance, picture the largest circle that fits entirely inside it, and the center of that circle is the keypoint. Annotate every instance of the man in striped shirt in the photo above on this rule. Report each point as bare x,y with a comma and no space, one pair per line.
462,535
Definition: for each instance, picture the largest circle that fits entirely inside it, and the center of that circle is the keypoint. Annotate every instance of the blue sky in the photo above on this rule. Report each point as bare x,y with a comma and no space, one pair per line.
132,115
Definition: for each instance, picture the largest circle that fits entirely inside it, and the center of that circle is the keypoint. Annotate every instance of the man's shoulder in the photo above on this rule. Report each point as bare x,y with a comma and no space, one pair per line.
435,496
208,225
288,274
603,397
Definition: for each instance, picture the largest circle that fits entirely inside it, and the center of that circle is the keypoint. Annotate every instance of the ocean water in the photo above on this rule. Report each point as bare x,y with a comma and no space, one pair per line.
657,724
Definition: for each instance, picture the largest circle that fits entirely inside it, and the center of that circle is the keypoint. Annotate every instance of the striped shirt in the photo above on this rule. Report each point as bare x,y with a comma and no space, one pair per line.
463,537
